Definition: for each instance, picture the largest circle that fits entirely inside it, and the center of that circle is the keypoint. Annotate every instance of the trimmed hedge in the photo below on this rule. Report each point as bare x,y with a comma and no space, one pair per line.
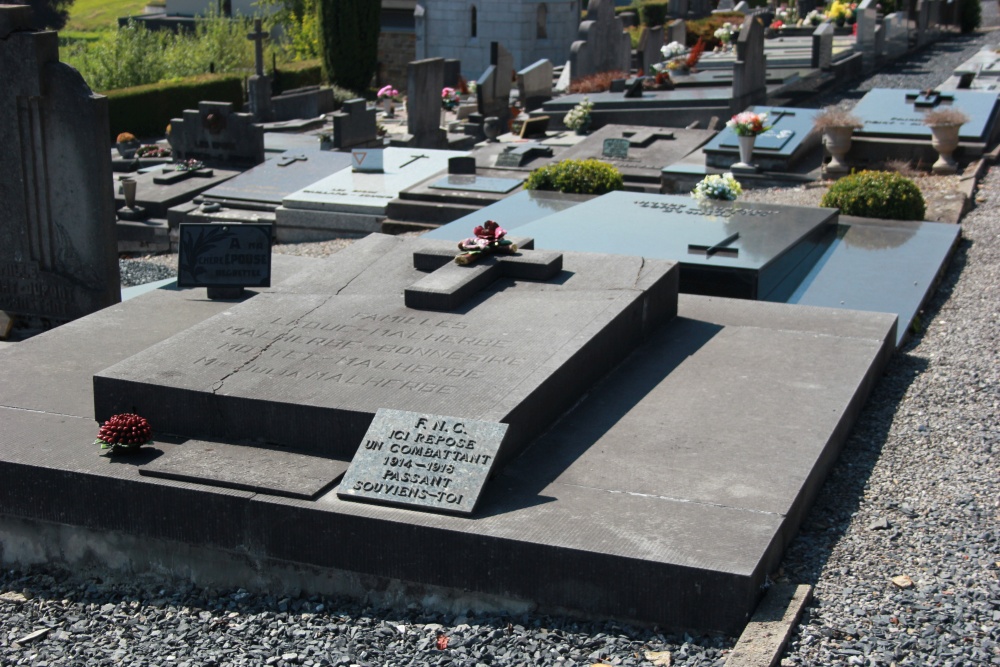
146,110
297,75
652,12
587,177
876,194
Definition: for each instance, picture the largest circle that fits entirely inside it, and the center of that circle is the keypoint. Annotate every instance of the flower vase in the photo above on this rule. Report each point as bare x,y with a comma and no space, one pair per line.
583,127
128,191
491,128
837,141
944,139
746,152
387,107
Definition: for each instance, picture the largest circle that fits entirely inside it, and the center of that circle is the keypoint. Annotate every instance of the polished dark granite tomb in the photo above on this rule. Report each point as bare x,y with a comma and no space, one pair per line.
790,138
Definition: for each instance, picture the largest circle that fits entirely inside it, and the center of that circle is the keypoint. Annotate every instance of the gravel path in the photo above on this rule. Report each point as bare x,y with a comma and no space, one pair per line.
901,546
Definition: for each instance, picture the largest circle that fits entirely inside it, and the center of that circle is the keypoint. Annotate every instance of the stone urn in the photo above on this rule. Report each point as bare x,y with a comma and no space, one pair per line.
746,143
491,128
584,126
837,141
944,139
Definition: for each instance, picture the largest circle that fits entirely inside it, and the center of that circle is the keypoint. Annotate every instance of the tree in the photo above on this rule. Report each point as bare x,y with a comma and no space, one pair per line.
349,41
47,13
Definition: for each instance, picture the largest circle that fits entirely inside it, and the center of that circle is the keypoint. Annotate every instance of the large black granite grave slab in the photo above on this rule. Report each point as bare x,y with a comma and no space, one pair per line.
776,245
898,114
308,364
515,211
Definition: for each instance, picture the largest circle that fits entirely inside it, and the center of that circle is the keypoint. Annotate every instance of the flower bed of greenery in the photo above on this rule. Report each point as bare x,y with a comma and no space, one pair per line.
146,110
705,28
588,177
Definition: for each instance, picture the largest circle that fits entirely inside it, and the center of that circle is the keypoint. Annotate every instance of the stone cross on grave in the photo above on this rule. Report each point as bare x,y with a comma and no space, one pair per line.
257,37
928,99
450,284
291,159
723,248
170,175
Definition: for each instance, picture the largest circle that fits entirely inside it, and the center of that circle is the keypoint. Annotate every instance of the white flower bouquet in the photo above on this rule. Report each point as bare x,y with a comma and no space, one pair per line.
724,187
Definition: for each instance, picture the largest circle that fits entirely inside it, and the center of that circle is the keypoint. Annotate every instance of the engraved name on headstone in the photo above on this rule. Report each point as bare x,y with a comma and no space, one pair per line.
215,255
422,461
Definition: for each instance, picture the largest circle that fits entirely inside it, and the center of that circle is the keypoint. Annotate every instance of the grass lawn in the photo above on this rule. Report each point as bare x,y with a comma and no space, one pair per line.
101,15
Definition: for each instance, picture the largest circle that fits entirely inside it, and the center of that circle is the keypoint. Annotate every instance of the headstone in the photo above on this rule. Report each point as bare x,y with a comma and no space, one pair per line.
214,132
424,462
676,31
462,165
634,87
822,46
650,43
534,84
867,22
743,7
750,69
224,256
896,35
267,184
603,44
259,85
923,22
452,72
534,127
763,261
310,362
678,8
724,6
354,125
424,81
58,254
780,148
493,87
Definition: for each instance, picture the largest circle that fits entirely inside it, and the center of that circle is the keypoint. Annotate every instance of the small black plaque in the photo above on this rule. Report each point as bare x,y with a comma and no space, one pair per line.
615,148
224,255
534,127
424,462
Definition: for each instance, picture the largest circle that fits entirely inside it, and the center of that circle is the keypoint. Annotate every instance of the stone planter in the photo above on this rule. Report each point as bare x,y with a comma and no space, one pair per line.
837,141
944,139
491,128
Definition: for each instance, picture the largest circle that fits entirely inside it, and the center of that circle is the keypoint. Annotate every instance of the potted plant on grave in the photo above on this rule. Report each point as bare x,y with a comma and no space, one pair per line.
747,126
944,125
387,95
719,188
127,145
837,125
774,30
725,35
837,13
579,117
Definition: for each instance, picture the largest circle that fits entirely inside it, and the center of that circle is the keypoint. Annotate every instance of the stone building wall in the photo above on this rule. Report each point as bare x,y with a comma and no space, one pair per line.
529,29
395,50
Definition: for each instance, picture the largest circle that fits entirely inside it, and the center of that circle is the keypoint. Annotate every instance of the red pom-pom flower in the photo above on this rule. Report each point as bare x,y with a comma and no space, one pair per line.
124,431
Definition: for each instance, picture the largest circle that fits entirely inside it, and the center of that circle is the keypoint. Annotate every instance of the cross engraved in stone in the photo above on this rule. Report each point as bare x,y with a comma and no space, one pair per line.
413,158
257,37
721,248
929,99
169,176
290,159
450,284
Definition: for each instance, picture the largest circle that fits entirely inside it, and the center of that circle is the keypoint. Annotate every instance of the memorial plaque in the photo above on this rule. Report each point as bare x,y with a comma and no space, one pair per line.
615,148
224,255
477,183
421,461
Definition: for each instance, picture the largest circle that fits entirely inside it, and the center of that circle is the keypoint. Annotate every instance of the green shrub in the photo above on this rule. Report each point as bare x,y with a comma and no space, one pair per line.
586,177
876,194
146,110
297,75
652,12
971,16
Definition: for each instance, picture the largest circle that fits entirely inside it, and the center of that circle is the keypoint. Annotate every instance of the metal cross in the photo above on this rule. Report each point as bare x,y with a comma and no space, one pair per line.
721,248
414,159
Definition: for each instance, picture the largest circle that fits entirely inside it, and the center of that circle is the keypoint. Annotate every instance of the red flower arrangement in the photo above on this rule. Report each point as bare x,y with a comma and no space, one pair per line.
488,239
124,433
695,54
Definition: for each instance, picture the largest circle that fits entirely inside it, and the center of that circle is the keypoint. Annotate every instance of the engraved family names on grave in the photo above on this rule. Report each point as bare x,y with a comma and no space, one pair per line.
219,255
309,362
423,461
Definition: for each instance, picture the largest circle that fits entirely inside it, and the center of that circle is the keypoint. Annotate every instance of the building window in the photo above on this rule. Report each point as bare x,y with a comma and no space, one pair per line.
474,19
542,22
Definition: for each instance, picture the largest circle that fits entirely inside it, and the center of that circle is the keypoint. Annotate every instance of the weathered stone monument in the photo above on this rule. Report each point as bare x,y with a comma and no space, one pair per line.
215,132
868,38
424,81
534,84
58,256
603,44
650,43
822,46
493,87
259,84
750,70
354,125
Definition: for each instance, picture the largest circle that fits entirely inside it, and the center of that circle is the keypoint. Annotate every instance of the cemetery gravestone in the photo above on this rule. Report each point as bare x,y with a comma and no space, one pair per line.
58,253
309,363
676,32
424,81
493,87
452,72
896,35
534,84
429,462
822,46
867,22
750,70
215,132
354,125
603,46
650,43
259,85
